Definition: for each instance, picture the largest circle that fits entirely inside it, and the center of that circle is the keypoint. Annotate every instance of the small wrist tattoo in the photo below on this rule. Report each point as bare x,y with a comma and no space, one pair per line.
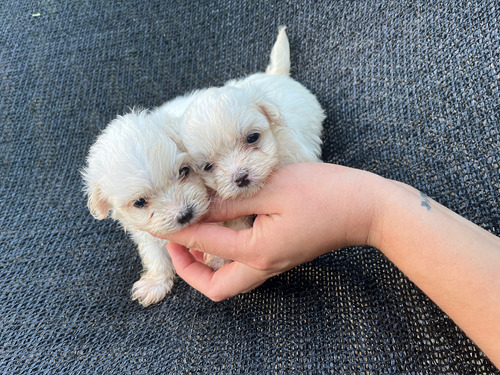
425,201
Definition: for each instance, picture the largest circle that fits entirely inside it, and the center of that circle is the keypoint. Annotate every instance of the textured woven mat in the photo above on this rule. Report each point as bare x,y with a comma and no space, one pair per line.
411,90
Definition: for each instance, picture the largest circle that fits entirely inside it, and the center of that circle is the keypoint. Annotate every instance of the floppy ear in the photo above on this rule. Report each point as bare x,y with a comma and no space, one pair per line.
99,207
271,111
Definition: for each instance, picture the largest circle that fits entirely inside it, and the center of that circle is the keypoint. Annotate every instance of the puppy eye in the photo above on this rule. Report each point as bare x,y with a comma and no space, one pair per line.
208,167
252,138
140,203
183,172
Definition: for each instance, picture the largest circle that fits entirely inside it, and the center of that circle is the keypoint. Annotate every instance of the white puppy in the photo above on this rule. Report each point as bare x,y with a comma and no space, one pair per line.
240,133
138,170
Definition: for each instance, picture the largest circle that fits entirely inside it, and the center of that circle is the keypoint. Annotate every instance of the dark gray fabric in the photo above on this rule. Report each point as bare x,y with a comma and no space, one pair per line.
411,90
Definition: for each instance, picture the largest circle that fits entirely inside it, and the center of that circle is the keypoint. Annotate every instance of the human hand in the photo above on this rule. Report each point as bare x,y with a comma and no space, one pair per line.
304,210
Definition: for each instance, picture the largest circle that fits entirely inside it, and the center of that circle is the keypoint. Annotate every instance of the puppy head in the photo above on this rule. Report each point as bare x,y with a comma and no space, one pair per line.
230,134
136,171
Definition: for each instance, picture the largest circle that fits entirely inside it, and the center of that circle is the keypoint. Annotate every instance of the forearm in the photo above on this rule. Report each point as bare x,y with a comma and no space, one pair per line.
456,263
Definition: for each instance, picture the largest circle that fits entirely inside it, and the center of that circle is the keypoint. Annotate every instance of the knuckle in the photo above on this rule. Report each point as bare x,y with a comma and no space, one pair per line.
216,297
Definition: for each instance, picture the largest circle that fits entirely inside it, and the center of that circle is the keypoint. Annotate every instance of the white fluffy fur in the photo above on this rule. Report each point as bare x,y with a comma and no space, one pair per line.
137,156
287,117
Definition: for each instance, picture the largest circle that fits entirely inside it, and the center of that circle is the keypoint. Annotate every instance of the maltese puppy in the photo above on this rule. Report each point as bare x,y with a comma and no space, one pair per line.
240,133
138,170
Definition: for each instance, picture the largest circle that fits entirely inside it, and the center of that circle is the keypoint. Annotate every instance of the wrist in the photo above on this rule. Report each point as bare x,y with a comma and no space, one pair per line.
377,193
362,206
390,197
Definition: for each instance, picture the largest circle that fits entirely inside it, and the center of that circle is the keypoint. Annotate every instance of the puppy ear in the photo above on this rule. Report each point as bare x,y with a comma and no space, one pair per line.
271,111
99,207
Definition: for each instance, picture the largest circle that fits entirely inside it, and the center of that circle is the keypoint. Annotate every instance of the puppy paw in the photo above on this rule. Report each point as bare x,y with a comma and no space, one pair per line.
148,291
215,262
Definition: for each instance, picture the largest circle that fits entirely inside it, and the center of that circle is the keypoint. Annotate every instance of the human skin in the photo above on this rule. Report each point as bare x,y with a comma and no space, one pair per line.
308,209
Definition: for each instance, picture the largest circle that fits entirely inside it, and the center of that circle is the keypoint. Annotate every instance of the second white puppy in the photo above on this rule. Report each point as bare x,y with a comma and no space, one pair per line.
138,170
240,133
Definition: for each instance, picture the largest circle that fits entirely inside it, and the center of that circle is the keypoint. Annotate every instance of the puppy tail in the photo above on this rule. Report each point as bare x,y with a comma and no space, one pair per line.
280,55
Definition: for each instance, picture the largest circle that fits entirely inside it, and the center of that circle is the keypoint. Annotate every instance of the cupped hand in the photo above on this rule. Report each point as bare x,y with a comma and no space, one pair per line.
304,210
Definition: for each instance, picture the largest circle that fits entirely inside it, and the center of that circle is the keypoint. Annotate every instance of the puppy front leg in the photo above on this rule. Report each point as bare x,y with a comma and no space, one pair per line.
157,278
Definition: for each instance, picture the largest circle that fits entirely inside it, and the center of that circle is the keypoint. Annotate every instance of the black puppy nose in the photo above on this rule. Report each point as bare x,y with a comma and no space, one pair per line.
185,216
241,179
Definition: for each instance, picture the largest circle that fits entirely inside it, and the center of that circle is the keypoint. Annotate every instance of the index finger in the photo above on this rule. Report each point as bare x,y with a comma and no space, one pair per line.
217,240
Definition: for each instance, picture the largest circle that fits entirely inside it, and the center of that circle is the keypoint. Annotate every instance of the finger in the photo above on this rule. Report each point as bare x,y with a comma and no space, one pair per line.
235,278
245,278
230,280
187,267
218,240
267,200
224,210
